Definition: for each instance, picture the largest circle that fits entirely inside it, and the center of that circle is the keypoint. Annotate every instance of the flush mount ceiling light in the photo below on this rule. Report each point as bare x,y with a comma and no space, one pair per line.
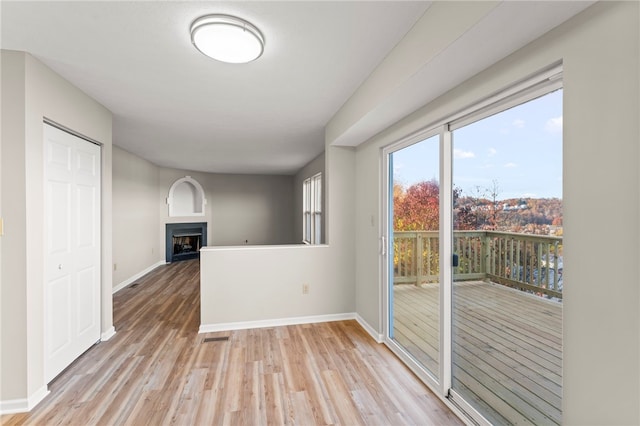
227,38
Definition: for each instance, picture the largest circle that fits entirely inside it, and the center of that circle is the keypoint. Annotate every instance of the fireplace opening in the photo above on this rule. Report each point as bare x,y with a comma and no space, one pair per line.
184,240
186,244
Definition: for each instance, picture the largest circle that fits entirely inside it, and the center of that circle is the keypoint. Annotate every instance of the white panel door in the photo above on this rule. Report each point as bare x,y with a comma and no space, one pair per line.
72,248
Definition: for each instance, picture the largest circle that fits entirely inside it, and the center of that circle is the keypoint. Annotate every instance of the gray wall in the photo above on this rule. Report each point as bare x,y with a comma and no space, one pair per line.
31,91
257,208
600,52
136,221
253,208
314,167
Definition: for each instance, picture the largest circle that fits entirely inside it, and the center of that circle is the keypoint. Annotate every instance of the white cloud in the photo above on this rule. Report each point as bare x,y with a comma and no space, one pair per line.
554,125
510,165
518,123
458,153
492,152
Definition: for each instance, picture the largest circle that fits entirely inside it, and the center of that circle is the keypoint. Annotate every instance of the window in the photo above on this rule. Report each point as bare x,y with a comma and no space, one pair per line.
312,210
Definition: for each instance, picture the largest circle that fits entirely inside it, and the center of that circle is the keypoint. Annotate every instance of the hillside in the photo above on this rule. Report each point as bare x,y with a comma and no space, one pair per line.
528,215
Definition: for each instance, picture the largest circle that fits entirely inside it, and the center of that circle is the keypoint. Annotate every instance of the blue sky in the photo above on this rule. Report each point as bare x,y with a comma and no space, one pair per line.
521,149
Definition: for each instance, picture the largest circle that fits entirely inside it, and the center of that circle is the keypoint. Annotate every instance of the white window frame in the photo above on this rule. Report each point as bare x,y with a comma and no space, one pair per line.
312,210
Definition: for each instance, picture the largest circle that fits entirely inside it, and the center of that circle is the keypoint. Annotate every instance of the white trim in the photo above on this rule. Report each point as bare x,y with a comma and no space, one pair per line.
412,139
108,334
23,405
14,406
378,337
446,259
529,88
131,280
59,126
463,405
538,90
385,237
244,325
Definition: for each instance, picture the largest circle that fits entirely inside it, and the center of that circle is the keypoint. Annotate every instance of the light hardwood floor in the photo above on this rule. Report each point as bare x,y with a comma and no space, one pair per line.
157,370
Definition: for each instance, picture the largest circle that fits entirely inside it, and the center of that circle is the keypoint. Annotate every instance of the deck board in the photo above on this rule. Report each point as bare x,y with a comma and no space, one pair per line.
507,347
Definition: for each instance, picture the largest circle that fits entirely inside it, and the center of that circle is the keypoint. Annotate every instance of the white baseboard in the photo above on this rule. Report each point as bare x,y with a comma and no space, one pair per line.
243,325
108,334
23,405
132,279
379,338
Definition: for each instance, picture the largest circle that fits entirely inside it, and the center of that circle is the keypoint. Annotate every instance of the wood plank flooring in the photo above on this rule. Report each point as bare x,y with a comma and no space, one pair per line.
158,370
507,347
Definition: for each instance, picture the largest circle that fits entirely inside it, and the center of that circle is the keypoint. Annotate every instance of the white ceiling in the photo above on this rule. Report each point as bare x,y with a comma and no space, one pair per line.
177,108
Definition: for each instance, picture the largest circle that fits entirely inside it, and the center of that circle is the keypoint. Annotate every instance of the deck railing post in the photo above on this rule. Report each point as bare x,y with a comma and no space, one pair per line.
486,253
419,258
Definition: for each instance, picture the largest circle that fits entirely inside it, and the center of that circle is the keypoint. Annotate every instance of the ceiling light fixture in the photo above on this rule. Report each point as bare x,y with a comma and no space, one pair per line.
227,38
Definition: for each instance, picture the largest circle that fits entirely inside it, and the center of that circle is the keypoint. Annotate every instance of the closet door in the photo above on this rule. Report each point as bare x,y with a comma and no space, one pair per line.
72,248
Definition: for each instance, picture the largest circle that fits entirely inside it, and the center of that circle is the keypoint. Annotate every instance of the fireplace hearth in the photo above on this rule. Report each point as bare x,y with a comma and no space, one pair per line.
184,240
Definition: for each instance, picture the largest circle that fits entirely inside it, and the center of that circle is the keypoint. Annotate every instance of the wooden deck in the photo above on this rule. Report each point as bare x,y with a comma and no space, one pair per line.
507,348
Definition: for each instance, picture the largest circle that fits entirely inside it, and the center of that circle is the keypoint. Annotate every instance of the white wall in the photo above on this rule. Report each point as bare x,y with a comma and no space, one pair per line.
31,91
600,51
249,284
13,344
314,167
136,221
264,283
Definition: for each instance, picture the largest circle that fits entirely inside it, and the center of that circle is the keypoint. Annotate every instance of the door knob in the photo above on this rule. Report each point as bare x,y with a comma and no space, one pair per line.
60,266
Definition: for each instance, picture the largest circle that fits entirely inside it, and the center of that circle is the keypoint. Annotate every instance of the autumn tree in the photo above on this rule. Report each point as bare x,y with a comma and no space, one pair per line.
417,208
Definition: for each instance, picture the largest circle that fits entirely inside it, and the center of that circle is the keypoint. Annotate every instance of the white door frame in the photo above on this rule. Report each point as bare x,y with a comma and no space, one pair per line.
387,251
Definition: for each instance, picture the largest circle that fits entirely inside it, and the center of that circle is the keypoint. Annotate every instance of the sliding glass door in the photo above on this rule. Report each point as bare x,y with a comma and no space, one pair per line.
414,293
474,247
507,292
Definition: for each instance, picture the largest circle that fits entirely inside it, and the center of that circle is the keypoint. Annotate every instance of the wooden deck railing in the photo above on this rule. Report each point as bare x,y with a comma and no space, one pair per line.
527,262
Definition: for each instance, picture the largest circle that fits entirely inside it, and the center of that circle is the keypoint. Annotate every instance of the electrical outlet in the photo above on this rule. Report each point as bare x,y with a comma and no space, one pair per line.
305,288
